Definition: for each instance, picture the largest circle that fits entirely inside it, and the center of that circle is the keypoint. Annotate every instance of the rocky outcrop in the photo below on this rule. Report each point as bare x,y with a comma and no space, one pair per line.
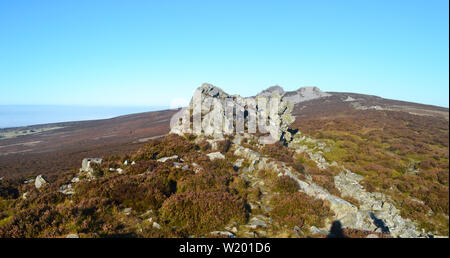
386,216
215,155
223,114
86,164
300,95
164,159
269,91
304,94
375,213
66,189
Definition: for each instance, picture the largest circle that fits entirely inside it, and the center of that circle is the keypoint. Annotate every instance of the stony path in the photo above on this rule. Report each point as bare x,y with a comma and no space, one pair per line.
375,213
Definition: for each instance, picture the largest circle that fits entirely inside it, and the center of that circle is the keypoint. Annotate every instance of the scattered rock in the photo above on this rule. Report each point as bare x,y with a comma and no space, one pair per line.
72,236
24,195
217,121
247,153
66,189
314,230
164,159
29,181
75,180
177,164
86,164
372,236
156,225
257,223
348,99
297,231
215,155
127,211
238,164
40,181
305,94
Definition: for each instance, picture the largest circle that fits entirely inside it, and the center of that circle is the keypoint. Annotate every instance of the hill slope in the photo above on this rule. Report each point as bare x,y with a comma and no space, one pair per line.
358,165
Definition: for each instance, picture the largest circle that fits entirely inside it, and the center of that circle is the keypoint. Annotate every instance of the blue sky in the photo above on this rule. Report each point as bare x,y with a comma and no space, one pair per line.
151,52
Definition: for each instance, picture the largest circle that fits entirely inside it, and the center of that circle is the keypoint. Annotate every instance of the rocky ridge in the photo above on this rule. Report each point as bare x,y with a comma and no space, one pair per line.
375,212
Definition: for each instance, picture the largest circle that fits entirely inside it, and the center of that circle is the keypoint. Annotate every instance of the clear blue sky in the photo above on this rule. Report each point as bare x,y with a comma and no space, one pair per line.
149,52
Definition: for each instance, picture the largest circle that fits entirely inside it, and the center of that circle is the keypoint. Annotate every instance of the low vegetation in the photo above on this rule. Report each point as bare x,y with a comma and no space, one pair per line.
403,155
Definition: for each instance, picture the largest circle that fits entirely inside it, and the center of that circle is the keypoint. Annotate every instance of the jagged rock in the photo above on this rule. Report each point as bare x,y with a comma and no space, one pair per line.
216,110
164,159
119,170
86,164
148,212
247,153
238,164
156,225
75,180
269,91
305,94
215,155
177,164
348,99
375,207
214,142
257,223
24,195
315,230
40,181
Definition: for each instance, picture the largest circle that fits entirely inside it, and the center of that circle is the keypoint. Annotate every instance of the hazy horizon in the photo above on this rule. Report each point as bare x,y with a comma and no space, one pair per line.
28,115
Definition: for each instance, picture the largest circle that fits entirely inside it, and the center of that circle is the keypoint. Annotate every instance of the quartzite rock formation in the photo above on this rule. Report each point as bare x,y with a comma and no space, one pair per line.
375,213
